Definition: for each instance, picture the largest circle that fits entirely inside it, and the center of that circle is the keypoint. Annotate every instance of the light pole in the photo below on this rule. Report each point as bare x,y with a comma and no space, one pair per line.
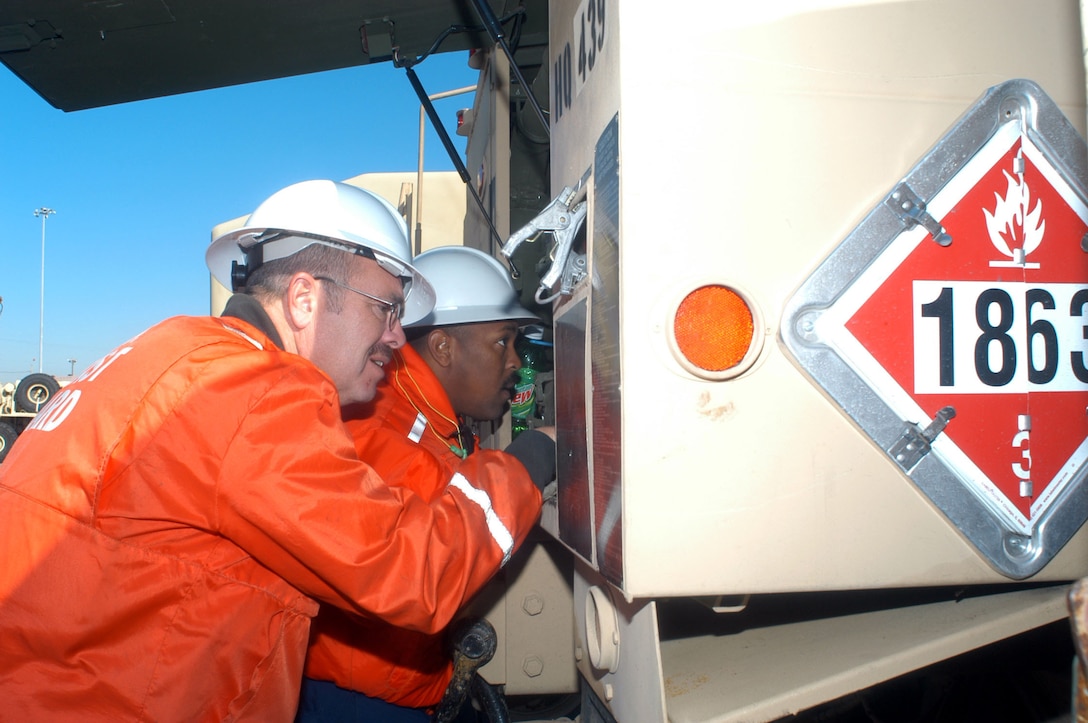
43,212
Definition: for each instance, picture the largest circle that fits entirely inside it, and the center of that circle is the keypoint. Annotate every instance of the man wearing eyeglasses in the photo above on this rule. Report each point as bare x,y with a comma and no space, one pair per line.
170,523
460,365
390,312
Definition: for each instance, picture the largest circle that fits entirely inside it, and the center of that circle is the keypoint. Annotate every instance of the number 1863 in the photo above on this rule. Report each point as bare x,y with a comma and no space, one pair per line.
1000,338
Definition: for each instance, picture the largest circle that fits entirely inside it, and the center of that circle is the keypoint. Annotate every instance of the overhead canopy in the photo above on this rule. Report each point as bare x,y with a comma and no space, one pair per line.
80,54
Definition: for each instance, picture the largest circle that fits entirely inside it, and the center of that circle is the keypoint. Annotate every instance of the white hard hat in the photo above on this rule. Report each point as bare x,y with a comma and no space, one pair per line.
470,286
325,212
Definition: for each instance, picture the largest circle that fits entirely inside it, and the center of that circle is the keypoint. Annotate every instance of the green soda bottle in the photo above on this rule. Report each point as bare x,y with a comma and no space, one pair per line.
523,405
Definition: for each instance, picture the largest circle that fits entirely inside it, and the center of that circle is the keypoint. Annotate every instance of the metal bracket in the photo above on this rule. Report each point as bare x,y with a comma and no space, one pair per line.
916,442
379,43
906,204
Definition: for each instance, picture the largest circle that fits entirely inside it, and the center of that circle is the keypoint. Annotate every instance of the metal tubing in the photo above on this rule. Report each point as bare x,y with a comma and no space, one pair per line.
494,29
455,157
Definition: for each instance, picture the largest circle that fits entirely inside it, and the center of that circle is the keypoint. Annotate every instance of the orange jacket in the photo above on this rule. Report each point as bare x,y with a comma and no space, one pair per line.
169,520
400,666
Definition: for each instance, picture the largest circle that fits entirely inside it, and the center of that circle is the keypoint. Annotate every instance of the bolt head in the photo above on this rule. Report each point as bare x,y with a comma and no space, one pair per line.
533,604
532,666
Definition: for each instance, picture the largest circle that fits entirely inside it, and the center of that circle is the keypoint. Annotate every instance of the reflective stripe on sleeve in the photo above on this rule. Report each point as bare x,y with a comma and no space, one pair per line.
498,530
418,428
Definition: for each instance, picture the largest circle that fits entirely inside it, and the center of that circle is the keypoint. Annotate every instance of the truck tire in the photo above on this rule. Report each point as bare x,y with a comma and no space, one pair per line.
7,438
35,391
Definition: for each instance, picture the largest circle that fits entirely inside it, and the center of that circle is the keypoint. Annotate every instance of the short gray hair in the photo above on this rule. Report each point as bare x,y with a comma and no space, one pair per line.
269,280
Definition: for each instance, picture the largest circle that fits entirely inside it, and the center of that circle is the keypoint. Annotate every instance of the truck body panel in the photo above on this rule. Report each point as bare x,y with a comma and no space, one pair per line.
744,160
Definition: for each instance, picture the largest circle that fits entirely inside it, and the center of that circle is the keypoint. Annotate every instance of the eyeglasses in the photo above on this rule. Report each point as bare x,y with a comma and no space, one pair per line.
394,310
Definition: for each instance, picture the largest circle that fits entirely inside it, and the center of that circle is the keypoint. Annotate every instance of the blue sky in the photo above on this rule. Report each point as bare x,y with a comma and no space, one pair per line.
138,187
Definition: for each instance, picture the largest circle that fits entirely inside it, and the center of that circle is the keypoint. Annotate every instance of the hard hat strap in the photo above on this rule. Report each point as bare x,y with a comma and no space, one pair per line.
264,249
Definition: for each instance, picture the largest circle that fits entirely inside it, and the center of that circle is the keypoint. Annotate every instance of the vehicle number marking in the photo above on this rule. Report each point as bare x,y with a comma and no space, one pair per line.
986,337
579,56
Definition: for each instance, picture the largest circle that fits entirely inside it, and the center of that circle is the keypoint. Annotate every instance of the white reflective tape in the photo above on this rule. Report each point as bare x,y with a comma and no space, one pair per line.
418,428
498,530
245,336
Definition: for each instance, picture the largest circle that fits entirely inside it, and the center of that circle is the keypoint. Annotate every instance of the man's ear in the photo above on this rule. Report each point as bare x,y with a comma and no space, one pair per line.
301,300
440,347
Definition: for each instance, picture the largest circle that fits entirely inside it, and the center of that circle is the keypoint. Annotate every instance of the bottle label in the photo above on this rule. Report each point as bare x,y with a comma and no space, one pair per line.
524,402
521,398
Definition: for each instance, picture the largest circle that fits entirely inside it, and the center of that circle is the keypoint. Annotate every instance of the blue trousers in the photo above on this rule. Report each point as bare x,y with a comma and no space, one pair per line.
323,702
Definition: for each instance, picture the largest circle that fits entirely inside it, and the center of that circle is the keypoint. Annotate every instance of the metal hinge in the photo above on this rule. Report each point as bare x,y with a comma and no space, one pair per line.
915,442
908,206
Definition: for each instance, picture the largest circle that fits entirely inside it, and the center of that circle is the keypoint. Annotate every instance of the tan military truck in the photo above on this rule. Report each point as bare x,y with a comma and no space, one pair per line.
20,402
817,273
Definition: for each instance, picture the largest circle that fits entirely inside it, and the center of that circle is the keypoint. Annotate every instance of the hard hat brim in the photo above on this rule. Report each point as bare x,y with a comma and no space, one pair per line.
475,314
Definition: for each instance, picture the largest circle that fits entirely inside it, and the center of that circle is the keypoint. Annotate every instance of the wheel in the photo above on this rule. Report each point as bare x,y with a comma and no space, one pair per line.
7,438
35,391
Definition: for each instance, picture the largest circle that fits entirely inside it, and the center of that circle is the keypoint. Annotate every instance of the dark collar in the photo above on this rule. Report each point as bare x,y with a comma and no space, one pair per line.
249,310
464,436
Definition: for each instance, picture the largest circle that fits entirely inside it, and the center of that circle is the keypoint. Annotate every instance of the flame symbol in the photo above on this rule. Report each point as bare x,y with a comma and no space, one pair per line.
1015,230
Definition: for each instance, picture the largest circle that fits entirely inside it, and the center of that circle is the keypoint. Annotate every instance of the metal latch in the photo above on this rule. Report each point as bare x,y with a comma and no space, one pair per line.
906,204
915,442
561,218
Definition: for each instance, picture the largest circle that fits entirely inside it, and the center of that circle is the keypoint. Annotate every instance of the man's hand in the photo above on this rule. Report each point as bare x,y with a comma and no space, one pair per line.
535,449
550,431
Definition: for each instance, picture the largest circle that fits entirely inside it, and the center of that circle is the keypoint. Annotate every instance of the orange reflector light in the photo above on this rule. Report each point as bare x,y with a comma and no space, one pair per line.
713,328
